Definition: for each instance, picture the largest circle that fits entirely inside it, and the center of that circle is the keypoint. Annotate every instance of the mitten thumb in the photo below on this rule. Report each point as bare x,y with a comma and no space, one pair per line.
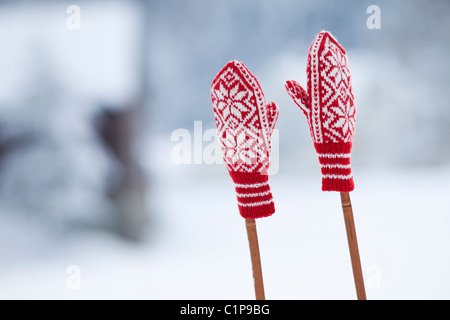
272,112
299,95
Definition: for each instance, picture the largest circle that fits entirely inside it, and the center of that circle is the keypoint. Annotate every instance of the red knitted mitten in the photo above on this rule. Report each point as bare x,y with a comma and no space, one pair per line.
244,127
329,109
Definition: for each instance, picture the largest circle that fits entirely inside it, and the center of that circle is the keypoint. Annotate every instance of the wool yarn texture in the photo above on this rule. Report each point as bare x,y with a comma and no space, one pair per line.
328,105
245,123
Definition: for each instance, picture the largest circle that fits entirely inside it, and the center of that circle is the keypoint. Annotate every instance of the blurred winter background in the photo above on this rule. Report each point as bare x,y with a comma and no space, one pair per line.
94,121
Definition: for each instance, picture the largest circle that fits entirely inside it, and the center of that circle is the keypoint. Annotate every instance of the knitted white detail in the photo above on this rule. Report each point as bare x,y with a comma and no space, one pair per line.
315,103
337,155
255,204
337,176
254,185
336,97
248,195
241,118
340,166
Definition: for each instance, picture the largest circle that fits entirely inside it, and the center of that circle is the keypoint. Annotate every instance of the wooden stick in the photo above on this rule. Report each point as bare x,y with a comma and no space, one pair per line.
353,245
256,260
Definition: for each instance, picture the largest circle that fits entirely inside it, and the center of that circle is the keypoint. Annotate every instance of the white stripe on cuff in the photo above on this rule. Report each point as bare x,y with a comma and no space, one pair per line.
248,195
337,155
254,185
340,166
337,176
255,204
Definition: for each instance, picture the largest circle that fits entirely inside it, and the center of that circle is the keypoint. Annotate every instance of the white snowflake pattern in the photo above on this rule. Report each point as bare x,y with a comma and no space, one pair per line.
346,117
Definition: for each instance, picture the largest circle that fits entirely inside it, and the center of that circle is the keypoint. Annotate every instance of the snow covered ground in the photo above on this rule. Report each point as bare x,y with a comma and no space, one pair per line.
198,249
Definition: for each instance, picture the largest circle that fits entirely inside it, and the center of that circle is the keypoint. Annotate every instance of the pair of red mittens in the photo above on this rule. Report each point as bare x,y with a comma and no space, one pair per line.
245,123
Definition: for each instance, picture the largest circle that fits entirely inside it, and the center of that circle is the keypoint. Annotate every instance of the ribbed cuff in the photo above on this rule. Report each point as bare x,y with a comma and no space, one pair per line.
335,165
253,195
